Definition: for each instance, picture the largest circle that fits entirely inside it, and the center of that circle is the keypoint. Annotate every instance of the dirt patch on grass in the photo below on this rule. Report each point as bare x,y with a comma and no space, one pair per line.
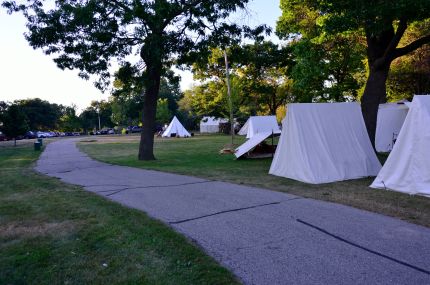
35,229
112,139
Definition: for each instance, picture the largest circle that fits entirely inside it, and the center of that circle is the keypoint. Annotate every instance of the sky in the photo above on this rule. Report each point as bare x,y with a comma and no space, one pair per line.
28,73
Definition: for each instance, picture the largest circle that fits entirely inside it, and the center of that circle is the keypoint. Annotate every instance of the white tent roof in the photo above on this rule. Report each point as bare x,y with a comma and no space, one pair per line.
390,120
175,127
324,142
407,168
260,124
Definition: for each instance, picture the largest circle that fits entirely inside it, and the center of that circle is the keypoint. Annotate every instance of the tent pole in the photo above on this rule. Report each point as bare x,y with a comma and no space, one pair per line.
229,97
272,142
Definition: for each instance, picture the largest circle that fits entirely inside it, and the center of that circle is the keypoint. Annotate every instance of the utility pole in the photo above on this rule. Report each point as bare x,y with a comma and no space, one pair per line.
230,102
98,113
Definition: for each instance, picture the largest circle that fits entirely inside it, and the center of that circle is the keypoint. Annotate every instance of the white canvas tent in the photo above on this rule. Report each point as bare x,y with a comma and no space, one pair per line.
390,120
175,127
211,124
260,124
407,168
324,142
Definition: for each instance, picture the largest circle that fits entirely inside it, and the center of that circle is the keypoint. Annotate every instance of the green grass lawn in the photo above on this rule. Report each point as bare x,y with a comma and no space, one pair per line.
199,156
55,233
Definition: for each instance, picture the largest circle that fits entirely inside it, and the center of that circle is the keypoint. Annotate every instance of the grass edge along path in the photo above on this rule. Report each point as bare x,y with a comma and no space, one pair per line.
199,157
56,233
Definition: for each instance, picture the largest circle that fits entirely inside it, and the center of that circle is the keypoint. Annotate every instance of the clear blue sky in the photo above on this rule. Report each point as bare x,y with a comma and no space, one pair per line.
27,73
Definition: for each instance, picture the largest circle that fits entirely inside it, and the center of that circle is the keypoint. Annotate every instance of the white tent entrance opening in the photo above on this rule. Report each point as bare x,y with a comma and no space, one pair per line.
390,120
257,147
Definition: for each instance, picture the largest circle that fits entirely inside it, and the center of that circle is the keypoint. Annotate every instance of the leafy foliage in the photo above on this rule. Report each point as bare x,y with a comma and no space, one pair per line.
126,99
69,121
163,112
259,80
41,114
263,70
410,74
327,70
382,23
14,121
87,35
325,65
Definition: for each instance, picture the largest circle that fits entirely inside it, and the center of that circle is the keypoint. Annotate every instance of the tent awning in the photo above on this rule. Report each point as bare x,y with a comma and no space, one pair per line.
251,143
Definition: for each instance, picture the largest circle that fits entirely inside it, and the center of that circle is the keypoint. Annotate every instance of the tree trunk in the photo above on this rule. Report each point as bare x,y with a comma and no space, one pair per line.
379,61
146,147
374,94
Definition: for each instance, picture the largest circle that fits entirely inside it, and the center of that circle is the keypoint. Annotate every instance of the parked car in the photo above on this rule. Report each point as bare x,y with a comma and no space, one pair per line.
111,132
42,135
136,129
30,135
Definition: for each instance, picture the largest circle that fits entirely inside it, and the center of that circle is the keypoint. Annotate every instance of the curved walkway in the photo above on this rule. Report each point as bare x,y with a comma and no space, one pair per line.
264,237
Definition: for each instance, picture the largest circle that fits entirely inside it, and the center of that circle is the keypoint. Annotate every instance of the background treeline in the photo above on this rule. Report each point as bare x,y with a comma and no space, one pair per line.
311,61
264,77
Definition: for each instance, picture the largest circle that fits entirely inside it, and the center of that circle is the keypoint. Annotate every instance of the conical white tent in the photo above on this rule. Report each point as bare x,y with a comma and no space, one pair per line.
259,124
324,142
175,128
407,168
390,120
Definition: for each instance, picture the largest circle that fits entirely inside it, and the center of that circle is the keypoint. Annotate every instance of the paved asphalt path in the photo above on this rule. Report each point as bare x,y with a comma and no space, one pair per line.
264,237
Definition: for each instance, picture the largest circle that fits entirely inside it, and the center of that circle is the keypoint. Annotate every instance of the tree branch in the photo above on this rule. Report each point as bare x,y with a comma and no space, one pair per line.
411,47
396,39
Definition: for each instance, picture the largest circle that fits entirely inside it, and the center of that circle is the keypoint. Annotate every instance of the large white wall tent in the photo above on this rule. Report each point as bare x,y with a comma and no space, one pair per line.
210,124
390,120
324,142
407,168
175,127
259,124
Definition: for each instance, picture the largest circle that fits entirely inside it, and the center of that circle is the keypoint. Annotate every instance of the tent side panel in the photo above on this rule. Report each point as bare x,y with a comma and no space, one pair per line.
325,143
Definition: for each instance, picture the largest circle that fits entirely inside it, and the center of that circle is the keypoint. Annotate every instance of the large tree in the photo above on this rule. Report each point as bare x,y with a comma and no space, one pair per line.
41,114
259,75
69,121
14,122
382,23
88,34
263,69
89,119
326,69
